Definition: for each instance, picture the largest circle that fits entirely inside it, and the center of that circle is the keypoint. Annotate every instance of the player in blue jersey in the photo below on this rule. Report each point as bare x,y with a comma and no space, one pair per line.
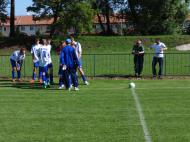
60,72
35,58
43,63
16,60
70,63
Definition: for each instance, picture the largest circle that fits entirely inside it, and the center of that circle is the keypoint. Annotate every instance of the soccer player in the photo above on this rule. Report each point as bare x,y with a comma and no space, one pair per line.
60,72
138,52
43,63
35,58
158,57
50,65
78,51
70,63
16,60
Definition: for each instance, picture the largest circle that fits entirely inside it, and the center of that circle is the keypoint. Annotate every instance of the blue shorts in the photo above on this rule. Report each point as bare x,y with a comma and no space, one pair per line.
50,65
43,69
60,72
36,65
13,63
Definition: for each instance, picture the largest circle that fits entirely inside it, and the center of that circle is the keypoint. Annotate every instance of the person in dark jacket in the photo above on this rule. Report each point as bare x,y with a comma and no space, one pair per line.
70,63
138,52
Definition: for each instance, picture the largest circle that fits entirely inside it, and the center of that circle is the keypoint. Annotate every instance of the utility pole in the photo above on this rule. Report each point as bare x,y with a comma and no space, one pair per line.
12,19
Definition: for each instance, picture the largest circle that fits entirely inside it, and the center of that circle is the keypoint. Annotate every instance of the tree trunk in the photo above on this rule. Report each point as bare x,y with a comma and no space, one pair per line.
109,30
101,24
12,19
52,31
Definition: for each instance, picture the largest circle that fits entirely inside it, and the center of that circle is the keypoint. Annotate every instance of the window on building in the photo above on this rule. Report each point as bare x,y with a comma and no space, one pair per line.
31,28
48,28
0,28
22,28
5,28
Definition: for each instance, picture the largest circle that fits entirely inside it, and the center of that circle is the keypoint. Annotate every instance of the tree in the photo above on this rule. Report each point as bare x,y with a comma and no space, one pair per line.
55,9
156,16
46,9
12,19
3,13
105,8
77,16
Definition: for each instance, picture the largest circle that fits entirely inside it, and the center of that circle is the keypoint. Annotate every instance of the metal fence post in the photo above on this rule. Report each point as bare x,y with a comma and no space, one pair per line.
165,65
94,65
24,69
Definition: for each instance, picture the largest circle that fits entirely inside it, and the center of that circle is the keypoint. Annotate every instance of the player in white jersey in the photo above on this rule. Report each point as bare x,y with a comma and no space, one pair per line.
16,60
78,51
35,58
158,57
43,63
50,65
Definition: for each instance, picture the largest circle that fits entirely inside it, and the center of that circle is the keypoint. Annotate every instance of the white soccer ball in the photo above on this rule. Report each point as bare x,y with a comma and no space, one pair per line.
131,85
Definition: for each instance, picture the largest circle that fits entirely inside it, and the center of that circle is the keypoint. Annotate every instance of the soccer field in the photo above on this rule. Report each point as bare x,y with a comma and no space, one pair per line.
104,111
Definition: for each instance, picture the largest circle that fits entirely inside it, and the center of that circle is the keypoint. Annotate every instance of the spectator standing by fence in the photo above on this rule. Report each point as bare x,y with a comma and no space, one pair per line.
159,48
138,52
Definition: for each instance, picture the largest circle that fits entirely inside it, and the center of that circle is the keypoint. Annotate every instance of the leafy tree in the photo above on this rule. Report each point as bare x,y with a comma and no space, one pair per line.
156,16
77,16
58,9
105,8
3,13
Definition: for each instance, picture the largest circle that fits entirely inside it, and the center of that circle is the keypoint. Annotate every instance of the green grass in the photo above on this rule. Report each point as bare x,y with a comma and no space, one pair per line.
124,44
104,111
101,44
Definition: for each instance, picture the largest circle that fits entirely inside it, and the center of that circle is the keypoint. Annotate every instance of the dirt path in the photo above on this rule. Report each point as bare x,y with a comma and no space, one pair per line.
184,47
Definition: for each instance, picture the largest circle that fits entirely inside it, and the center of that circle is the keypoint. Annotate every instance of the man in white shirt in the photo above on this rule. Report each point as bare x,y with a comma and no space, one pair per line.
159,48
35,58
50,65
16,60
78,51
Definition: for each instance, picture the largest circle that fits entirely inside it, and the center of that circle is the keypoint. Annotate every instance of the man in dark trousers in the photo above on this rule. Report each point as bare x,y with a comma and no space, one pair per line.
159,48
138,52
70,63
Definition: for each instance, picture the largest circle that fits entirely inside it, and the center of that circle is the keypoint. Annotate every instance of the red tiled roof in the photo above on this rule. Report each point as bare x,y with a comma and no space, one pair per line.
115,18
28,20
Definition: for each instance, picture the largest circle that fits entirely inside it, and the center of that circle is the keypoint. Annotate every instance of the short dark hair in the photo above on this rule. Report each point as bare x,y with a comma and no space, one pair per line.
22,50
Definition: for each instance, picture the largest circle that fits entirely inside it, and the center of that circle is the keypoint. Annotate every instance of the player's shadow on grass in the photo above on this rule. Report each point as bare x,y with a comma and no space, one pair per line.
27,85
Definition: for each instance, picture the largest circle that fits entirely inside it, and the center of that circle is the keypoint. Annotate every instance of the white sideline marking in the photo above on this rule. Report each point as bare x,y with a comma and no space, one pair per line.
156,88
141,116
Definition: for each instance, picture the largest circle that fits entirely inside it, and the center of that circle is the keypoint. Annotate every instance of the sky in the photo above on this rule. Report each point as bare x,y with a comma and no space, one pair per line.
20,7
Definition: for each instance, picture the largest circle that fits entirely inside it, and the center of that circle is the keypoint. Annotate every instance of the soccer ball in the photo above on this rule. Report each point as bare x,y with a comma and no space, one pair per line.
131,85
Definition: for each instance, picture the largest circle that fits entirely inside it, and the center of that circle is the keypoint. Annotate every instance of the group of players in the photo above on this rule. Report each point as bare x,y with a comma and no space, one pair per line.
70,62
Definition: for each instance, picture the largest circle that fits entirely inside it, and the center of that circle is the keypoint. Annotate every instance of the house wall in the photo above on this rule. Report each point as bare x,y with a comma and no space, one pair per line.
43,29
27,29
116,27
